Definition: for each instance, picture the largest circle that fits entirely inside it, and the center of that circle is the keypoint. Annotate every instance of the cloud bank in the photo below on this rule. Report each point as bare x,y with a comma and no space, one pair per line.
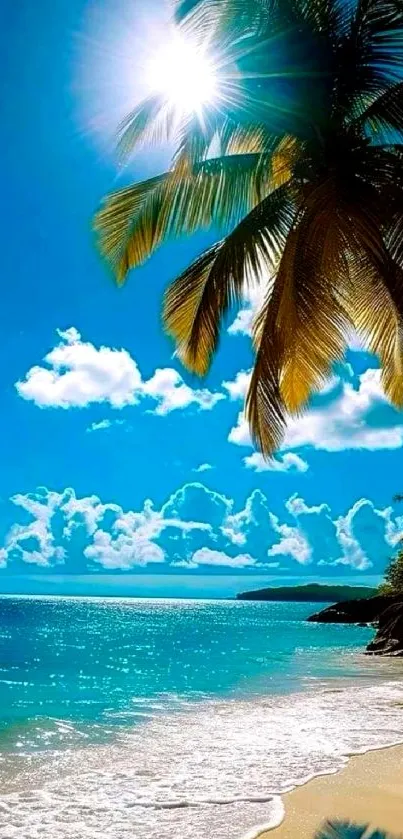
196,528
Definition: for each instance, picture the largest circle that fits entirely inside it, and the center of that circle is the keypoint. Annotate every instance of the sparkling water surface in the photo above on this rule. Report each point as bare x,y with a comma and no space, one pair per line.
165,718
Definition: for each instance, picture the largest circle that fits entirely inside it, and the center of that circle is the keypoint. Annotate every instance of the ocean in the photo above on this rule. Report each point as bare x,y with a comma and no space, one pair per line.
177,719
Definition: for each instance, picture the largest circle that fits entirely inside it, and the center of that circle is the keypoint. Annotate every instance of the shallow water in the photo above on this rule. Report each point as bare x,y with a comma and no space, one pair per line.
177,718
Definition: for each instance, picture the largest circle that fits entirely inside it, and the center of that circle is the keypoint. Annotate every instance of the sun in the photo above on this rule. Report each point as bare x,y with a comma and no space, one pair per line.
185,74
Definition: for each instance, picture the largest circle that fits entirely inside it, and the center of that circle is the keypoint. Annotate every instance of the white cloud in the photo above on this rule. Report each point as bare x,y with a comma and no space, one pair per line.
240,434
195,527
105,425
297,507
206,556
292,543
352,552
251,525
204,467
123,551
355,418
345,424
289,462
238,387
242,325
358,539
34,542
78,374
167,387
195,502
108,535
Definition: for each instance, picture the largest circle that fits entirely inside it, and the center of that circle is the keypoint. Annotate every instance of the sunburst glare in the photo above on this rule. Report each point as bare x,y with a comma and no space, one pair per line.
184,73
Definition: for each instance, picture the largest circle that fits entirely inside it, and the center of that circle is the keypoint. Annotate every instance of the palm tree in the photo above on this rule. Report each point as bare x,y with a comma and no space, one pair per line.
306,183
347,830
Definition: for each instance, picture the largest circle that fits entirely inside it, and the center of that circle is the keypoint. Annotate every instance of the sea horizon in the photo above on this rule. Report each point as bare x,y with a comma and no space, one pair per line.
215,587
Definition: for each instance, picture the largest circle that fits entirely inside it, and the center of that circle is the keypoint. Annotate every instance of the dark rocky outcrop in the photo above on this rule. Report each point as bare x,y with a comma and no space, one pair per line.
366,610
389,637
385,611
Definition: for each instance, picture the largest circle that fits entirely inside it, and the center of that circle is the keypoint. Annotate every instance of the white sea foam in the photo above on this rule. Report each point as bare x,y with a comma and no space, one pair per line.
215,768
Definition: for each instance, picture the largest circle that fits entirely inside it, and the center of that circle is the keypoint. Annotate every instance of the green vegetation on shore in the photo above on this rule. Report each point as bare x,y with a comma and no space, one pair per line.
393,581
310,593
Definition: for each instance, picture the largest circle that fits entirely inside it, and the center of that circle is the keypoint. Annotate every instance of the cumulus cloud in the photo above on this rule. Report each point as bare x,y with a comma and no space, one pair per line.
194,502
204,467
171,393
346,415
358,539
206,556
196,527
293,543
253,527
289,462
357,418
242,325
238,387
34,542
77,374
122,551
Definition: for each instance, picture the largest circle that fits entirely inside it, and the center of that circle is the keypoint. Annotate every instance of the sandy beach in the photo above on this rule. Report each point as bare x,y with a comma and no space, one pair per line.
369,790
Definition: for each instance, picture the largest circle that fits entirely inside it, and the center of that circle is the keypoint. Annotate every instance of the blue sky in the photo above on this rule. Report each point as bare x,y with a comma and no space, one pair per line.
115,461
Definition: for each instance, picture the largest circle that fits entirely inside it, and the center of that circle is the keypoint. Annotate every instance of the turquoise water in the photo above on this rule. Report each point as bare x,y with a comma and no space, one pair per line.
89,660
176,711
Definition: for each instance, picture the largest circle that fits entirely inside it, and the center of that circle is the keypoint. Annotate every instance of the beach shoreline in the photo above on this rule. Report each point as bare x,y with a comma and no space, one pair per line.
368,790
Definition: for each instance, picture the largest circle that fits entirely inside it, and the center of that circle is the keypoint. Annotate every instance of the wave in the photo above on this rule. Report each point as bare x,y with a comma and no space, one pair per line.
216,767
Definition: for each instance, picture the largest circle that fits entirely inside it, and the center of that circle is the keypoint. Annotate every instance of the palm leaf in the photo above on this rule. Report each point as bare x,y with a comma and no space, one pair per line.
347,830
313,316
235,138
369,56
376,294
385,115
378,323
115,225
394,240
196,302
264,408
134,221
151,121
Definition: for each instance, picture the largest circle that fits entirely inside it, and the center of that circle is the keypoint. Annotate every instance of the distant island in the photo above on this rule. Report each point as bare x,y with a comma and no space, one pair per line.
311,593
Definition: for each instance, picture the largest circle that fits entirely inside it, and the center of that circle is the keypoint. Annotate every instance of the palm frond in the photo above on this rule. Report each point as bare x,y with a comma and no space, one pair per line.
235,138
394,241
369,56
385,115
264,407
228,18
134,221
194,137
347,830
313,316
376,297
151,121
378,323
115,225
196,302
